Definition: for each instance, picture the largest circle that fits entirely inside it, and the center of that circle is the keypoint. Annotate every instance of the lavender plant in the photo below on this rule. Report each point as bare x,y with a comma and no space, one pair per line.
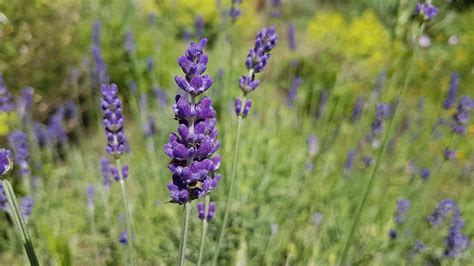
6,100
257,60
192,150
113,121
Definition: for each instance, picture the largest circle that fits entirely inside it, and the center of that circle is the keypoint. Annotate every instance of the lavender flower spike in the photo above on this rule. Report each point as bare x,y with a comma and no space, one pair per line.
90,196
293,91
381,114
402,208
235,11
113,120
350,160
357,111
461,117
442,210
456,242
6,100
192,149
426,11
291,35
452,91
211,211
19,143
27,205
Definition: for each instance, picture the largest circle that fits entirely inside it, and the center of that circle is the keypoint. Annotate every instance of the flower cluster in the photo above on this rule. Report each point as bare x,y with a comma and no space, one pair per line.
452,91
381,114
357,111
6,100
256,61
192,149
19,143
402,208
113,120
456,242
211,211
461,117
426,11
235,11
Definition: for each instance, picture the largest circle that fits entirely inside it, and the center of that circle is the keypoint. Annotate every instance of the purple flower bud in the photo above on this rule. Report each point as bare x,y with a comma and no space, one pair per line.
238,106
425,173
115,173
6,100
6,162
313,145
426,11
449,154
3,198
276,8
123,239
381,114
247,107
56,131
402,208
149,64
462,115
392,234
19,143
367,160
125,172
452,91
291,36
201,207
419,247
235,11
211,212
90,196
100,74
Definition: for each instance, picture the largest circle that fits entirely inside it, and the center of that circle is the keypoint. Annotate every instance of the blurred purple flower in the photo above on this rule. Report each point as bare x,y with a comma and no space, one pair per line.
350,160
450,98
293,91
105,170
129,41
199,26
291,35
403,205
381,114
357,110
19,143
426,11
27,205
424,41
456,242
461,117
6,100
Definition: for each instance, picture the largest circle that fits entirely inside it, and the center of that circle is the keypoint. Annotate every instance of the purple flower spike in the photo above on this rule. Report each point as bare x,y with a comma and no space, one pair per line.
113,120
211,212
357,111
19,144
402,208
313,145
192,148
456,242
452,91
129,41
367,160
291,36
392,234
247,107
442,210
426,11
462,115
350,160
27,205
6,100
238,106
199,26
201,207
235,11
6,162
105,170
425,173
381,114
293,91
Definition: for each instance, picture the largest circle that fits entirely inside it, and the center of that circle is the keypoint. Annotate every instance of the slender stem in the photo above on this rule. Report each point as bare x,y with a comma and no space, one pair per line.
128,221
231,192
204,230
20,222
184,234
381,151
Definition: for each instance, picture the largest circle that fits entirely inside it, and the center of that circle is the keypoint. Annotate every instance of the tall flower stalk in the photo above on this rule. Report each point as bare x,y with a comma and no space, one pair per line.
424,17
257,60
113,121
6,166
192,149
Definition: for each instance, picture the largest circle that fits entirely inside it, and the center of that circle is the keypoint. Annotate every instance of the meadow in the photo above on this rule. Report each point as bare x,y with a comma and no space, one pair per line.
344,137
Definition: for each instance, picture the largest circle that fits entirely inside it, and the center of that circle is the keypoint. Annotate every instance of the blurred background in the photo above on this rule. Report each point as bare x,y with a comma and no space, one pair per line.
333,52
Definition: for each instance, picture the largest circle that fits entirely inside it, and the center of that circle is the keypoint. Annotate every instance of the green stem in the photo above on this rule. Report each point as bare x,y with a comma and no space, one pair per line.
381,151
128,221
231,192
204,230
184,234
20,222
